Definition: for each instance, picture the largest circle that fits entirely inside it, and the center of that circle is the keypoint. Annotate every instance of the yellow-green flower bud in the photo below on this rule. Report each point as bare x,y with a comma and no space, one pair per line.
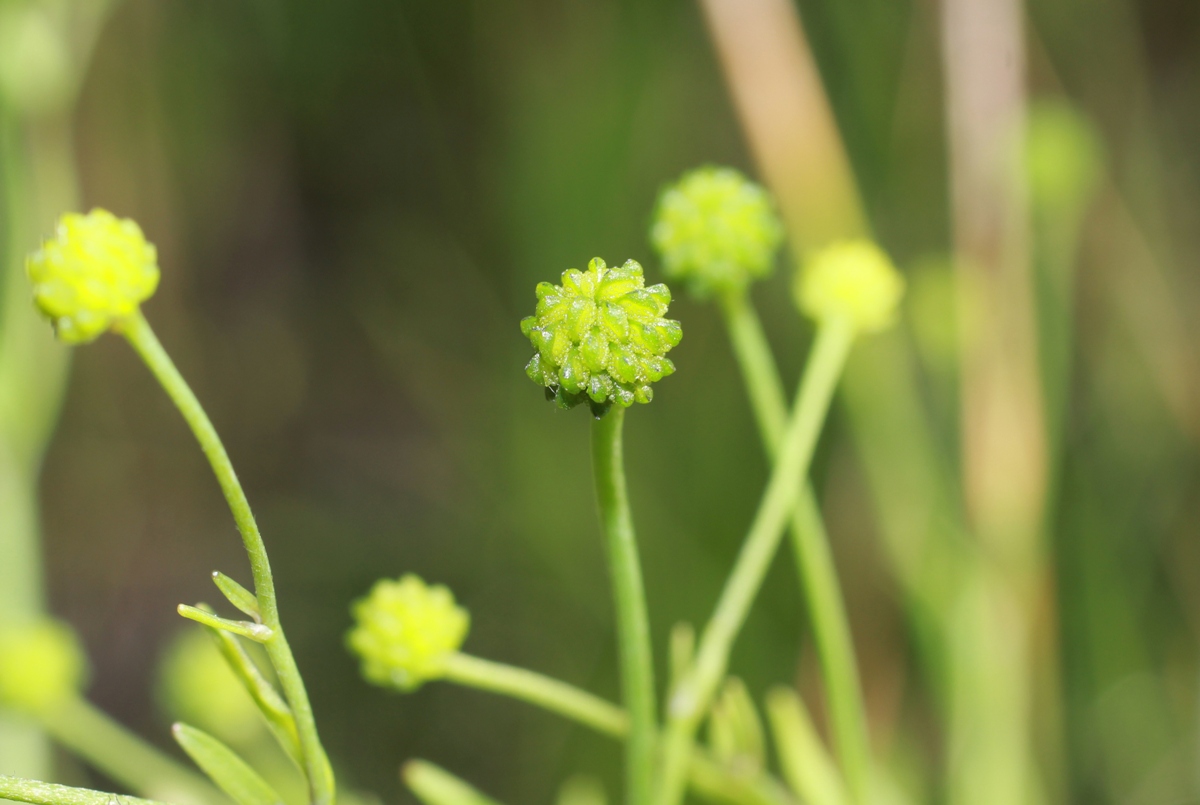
198,687
852,281
716,230
42,664
93,273
601,337
405,631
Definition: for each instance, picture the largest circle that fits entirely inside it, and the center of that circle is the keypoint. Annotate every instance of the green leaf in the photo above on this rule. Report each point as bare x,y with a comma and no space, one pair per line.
274,709
806,763
231,774
436,786
735,730
35,792
251,631
237,595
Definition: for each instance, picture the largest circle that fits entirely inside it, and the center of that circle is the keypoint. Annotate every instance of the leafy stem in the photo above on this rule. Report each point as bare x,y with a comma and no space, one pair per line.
633,624
691,697
814,561
317,769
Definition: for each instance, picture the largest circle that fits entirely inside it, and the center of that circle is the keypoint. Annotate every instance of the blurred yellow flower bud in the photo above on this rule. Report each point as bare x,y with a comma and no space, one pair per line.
42,664
93,273
852,281
405,630
197,686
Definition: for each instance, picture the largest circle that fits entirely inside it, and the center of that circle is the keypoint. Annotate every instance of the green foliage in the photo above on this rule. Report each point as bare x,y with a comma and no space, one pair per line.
96,271
601,337
716,230
231,774
405,631
436,786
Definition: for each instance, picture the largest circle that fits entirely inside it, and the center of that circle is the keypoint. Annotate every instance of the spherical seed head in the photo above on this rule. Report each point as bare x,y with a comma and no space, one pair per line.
716,230
601,337
94,272
42,664
853,281
198,687
405,631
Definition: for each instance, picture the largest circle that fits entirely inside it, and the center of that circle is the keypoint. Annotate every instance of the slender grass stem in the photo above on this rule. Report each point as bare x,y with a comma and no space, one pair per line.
320,774
814,561
691,698
36,792
543,691
633,624
120,754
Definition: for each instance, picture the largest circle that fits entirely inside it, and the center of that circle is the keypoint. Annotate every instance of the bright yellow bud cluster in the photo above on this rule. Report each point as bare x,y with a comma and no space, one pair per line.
405,631
852,281
42,665
93,273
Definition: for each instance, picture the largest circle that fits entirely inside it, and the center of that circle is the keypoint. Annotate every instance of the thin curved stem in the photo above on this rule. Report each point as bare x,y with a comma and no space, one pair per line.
320,774
98,740
538,689
692,696
814,560
633,623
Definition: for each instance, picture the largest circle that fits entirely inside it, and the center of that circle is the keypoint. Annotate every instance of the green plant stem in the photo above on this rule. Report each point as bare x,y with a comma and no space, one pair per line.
814,560
127,759
691,697
633,624
320,774
532,687
706,776
36,792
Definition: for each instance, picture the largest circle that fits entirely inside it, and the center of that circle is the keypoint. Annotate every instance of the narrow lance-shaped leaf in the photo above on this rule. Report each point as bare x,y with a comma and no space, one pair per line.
807,765
274,709
231,774
683,650
237,595
35,792
251,631
436,786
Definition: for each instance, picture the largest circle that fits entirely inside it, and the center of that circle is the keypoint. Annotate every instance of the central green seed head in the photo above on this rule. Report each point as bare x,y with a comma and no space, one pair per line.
601,337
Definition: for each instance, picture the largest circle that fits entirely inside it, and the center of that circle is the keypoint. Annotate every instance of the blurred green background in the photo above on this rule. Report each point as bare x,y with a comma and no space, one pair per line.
353,202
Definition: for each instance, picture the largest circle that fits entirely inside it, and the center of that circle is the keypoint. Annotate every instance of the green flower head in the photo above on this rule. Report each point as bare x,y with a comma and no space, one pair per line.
405,630
852,281
93,273
716,230
42,664
601,337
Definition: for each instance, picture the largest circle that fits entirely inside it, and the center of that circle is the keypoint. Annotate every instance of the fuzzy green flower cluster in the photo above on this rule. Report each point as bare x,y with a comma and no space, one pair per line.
716,230
42,664
601,337
93,273
852,281
405,630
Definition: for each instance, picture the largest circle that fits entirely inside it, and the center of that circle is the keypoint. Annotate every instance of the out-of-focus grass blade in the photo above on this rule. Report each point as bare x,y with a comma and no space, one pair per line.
231,774
805,762
735,730
582,790
274,709
436,786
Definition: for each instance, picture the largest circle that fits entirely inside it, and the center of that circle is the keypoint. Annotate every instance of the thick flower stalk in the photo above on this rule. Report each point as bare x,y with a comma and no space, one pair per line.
405,632
717,231
601,337
94,273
